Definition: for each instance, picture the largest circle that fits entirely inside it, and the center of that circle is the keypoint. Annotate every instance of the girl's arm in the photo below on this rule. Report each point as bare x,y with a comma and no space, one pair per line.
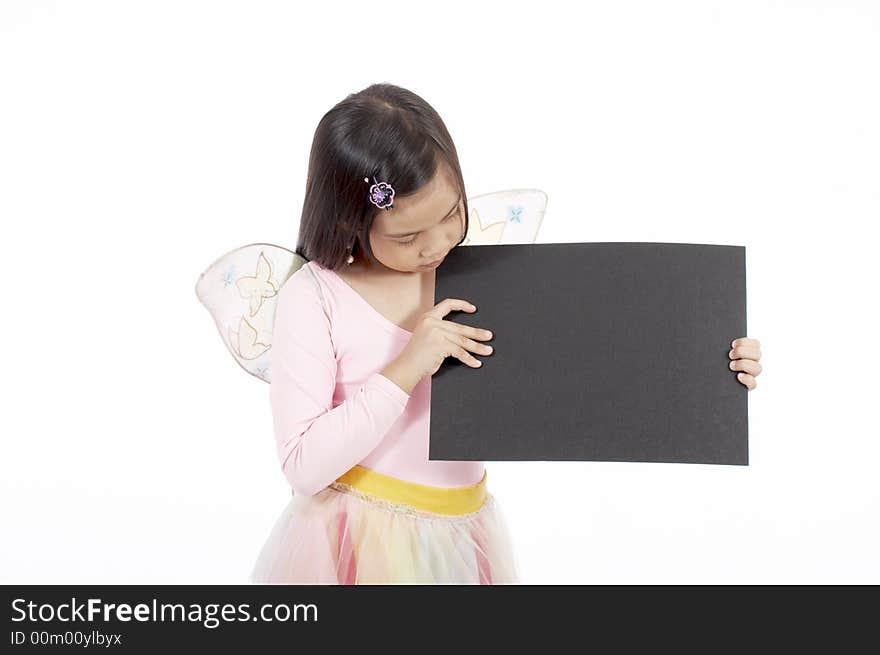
316,442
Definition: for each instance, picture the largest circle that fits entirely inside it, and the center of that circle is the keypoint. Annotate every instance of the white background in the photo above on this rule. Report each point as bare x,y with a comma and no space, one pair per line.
140,141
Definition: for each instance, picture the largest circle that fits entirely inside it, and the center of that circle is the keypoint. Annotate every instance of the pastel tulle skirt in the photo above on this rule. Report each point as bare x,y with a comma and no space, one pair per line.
371,528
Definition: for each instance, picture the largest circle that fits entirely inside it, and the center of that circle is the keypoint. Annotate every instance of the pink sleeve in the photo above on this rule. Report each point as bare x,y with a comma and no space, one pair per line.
316,442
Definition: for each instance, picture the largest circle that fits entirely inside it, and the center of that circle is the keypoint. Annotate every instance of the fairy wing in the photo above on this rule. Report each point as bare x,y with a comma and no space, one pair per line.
240,289
511,216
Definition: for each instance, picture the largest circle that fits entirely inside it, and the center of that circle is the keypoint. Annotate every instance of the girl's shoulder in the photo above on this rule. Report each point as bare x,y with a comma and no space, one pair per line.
306,290
315,273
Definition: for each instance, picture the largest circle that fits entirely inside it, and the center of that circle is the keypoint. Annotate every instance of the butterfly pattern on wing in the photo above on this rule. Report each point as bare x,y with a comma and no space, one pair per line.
243,306
255,288
245,342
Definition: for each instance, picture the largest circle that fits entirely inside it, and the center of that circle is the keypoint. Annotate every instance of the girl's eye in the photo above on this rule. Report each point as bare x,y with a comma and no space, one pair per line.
413,240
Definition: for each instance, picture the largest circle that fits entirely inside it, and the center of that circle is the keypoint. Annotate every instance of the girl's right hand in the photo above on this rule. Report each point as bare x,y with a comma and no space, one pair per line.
433,340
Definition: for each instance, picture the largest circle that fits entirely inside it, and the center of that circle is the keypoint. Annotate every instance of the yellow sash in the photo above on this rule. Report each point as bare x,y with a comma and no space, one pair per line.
427,498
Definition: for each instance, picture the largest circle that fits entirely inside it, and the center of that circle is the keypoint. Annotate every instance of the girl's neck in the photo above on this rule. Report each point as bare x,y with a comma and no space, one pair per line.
361,268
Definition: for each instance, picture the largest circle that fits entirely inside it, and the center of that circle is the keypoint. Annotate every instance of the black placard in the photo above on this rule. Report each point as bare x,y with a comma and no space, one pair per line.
603,352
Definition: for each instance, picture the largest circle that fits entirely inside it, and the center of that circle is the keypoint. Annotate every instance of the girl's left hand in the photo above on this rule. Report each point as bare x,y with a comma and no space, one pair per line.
745,354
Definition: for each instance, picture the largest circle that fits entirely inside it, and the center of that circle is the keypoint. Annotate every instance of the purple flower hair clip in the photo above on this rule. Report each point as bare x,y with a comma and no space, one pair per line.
381,194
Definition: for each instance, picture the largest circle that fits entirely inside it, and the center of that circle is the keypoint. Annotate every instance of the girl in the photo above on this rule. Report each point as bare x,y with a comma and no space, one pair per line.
356,339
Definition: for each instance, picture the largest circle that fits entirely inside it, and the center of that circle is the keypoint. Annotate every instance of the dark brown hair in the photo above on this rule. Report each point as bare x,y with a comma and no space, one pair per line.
384,132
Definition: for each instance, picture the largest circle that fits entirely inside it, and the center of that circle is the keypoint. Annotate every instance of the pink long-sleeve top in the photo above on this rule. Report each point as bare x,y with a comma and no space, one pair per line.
331,407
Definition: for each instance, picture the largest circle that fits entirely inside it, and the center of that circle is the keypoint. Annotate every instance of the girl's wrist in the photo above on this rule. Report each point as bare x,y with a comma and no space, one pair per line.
399,375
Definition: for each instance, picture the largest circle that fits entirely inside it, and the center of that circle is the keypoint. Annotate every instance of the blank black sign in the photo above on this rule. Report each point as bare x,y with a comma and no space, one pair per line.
603,352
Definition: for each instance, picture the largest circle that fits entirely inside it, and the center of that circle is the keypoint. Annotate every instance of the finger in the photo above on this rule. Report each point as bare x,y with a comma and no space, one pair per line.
473,346
749,366
461,354
459,345
466,330
747,380
745,341
745,352
447,305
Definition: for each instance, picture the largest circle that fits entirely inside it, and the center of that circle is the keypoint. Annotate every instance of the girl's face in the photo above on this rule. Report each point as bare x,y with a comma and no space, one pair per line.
421,228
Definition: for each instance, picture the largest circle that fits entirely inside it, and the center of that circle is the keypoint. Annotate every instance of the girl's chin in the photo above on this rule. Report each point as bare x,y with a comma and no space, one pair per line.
430,267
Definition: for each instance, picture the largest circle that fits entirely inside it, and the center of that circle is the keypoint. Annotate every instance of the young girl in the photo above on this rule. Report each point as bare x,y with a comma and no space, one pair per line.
356,339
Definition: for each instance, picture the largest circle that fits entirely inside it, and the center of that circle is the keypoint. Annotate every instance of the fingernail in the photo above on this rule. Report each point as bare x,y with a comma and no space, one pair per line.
732,364
733,344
